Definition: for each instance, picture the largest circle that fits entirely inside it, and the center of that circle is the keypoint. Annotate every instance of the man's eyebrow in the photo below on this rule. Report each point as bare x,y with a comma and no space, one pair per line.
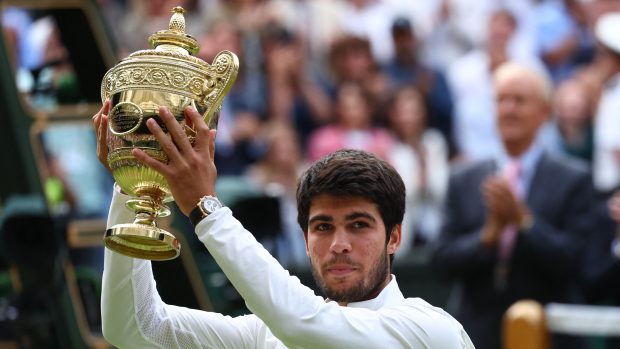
356,215
321,217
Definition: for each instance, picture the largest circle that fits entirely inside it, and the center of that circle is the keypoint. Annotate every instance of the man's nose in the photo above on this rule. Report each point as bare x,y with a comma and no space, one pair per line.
341,242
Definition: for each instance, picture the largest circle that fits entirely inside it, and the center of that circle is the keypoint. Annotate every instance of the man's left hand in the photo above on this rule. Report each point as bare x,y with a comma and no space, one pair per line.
190,171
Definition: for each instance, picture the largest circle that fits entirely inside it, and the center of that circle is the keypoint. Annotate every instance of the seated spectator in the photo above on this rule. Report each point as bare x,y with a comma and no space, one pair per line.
293,94
244,107
353,127
601,263
350,60
420,155
369,19
570,130
514,224
276,174
565,39
406,68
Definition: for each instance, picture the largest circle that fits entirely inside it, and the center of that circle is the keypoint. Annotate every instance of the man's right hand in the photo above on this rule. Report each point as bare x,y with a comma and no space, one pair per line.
100,124
491,231
497,198
501,202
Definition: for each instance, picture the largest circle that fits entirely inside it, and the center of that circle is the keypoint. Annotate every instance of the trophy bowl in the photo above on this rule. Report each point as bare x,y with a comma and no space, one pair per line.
166,75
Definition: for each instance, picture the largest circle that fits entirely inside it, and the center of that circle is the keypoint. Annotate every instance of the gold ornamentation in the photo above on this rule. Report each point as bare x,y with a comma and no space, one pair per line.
166,75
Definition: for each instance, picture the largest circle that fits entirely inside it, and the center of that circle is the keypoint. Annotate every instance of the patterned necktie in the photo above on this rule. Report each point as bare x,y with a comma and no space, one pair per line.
512,173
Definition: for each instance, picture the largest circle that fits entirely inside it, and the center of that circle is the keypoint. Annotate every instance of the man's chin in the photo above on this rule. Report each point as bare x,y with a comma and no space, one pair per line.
345,289
341,295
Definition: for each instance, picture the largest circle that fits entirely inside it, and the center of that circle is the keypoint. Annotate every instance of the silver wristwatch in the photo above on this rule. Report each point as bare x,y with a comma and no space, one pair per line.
207,205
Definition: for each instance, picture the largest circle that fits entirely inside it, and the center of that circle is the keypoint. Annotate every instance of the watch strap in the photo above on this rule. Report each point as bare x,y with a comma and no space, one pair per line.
196,215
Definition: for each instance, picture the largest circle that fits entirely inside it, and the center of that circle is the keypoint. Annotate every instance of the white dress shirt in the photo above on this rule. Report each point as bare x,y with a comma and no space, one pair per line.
286,314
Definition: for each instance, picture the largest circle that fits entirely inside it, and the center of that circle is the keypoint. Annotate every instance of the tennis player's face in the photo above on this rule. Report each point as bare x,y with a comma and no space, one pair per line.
346,243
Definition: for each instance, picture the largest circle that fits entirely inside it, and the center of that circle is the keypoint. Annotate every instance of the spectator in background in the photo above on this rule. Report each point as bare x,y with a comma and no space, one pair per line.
420,155
244,108
294,97
353,127
594,74
507,236
564,37
350,60
470,79
248,16
144,18
370,20
59,195
570,130
406,68
317,22
601,265
276,174
607,123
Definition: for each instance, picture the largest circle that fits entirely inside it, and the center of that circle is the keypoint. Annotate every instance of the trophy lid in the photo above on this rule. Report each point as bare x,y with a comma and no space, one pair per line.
175,35
171,67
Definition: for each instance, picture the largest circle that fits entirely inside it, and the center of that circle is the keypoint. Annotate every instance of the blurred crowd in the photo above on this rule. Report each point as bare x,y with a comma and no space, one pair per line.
410,82
428,86
415,83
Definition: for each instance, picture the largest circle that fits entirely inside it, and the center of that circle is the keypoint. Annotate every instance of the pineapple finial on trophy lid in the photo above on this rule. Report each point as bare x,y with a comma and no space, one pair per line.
175,38
177,21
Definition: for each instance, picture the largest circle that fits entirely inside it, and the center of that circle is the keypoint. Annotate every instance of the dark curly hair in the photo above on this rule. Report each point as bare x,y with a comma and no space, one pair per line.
353,173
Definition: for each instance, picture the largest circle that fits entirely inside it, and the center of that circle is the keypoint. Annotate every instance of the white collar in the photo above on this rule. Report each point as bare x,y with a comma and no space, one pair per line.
390,295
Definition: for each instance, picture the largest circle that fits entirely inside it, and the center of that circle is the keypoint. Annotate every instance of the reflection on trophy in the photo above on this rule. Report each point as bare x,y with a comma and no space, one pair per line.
167,75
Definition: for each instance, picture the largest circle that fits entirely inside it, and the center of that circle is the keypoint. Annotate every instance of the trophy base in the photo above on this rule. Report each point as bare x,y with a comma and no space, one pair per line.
142,241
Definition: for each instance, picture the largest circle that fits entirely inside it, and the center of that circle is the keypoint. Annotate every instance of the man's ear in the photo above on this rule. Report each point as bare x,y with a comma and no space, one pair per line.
394,242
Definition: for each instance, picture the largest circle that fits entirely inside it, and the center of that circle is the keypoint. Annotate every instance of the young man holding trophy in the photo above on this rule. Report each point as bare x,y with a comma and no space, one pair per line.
350,204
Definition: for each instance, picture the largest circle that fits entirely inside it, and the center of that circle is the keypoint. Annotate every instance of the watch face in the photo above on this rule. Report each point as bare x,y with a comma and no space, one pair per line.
210,204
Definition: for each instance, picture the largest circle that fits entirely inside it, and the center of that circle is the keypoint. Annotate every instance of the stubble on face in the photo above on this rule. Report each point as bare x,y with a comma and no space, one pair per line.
366,288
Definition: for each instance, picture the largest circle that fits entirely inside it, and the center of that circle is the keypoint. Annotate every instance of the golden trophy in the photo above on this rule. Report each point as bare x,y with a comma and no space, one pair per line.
166,75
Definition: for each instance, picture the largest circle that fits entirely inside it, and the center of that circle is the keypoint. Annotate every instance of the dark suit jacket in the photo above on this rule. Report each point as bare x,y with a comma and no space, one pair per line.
545,257
601,269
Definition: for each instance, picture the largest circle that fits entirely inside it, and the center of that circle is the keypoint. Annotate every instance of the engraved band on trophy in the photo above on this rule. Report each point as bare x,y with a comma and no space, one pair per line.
166,75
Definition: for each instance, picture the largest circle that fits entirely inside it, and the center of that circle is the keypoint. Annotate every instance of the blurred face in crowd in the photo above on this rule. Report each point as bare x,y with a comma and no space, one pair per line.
222,36
407,116
501,27
405,42
521,106
353,107
351,59
283,147
570,105
346,243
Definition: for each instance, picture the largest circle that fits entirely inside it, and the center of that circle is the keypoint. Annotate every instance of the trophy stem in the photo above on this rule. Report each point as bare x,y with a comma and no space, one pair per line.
142,238
147,209
145,219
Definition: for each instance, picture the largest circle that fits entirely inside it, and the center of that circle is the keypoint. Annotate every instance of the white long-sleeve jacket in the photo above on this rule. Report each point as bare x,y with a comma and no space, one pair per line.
286,314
